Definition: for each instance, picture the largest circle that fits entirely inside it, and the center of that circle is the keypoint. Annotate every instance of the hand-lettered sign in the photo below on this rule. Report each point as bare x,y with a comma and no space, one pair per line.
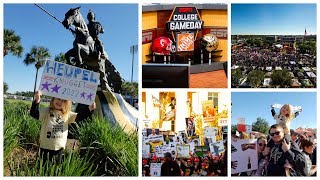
69,82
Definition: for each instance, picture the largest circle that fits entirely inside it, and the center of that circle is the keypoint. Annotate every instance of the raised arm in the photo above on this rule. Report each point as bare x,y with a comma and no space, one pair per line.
273,112
34,111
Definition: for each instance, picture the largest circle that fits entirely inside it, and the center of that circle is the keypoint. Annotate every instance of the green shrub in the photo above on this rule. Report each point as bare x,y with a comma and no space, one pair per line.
119,149
71,165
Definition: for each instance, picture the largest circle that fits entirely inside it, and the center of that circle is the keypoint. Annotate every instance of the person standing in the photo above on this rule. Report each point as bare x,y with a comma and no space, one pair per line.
170,167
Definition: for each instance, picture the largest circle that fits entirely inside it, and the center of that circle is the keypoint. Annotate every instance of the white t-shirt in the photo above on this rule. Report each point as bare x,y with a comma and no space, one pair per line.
54,129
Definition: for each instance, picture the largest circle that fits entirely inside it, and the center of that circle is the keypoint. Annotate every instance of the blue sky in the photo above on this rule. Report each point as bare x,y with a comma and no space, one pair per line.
285,19
35,27
253,105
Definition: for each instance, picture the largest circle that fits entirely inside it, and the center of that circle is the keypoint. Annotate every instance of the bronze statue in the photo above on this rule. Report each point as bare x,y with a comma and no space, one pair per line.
95,28
88,51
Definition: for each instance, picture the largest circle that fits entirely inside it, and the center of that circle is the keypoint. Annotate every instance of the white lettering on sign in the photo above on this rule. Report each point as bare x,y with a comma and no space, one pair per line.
180,25
146,36
185,17
185,42
220,33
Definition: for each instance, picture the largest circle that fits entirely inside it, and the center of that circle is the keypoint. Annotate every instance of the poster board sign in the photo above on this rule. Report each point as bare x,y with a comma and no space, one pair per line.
210,131
248,128
244,153
208,111
145,151
158,151
217,148
223,122
191,128
155,169
68,82
185,42
200,151
183,151
173,147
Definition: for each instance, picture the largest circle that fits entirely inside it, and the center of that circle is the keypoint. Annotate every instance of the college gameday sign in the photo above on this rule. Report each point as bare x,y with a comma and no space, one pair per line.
184,24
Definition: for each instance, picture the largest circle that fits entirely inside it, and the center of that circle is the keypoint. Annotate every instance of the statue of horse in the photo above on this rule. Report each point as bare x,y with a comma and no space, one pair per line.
85,54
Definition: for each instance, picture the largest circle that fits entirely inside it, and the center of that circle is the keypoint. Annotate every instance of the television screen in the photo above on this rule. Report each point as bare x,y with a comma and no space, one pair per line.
165,76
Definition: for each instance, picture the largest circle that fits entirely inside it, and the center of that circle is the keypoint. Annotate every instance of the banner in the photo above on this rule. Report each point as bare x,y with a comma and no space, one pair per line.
155,169
183,151
244,155
69,82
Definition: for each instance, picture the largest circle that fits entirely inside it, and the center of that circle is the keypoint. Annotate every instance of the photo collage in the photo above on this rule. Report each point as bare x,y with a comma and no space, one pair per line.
140,89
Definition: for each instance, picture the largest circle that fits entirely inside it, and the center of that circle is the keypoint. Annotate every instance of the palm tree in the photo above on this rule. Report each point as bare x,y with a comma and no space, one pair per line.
60,58
11,43
37,56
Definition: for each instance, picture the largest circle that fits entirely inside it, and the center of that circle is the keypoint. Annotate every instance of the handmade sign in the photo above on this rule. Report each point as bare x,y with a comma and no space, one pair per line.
210,131
155,169
183,151
191,131
217,148
173,147
244,154
200,151
208,111
145,151
69,82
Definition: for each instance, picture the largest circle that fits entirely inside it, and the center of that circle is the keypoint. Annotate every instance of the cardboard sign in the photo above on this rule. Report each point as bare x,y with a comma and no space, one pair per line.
245,154
200,151
185,42
183,151
248,128
217,148
210,131
69,82
173,147
155,169
190,124
145,151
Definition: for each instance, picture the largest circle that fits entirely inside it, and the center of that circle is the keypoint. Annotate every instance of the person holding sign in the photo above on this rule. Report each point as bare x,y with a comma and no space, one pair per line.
54,130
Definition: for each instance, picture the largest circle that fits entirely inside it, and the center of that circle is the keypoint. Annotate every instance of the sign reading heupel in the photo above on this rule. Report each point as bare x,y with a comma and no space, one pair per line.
69,82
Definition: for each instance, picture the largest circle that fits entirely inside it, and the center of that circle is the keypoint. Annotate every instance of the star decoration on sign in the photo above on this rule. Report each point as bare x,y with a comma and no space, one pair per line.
55,88
45,86
82,95
90,96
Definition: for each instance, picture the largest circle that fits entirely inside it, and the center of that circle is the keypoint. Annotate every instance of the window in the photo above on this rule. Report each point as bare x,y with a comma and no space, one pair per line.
214,96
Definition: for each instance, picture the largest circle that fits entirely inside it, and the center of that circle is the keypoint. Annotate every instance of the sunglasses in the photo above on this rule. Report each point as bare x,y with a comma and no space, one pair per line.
260,144
275,133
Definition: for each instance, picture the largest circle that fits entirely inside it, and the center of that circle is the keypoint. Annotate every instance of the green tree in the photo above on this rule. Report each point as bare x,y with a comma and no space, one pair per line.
234,128
5,87
11,43
129,88
37,56
281,78
255,78
60,58
261,125
236,75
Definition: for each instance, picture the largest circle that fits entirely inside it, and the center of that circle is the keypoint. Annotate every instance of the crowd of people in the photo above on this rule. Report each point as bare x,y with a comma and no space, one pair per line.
261,57
207,165
281,158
